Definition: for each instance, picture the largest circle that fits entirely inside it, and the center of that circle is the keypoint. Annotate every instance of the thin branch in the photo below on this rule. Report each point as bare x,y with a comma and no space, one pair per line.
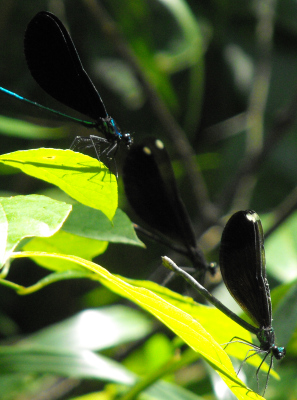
168,263
232,126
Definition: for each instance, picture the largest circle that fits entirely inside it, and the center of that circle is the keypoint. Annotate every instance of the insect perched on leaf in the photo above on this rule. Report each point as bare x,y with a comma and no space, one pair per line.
152,191
242,263
55,65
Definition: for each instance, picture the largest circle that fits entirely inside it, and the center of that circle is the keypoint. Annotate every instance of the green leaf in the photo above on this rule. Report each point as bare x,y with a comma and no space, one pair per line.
87,222
136,22
190,49
165,390
180,322
281,250
27,130
82,177
94,329
107,394
279,292
189,53
28,216
158,391
156,351
74,363
210,318
7,170
285,315
3,233
65,243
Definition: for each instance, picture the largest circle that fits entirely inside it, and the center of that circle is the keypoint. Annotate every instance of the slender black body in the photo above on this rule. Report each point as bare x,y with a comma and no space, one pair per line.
242,263
55,65
151,189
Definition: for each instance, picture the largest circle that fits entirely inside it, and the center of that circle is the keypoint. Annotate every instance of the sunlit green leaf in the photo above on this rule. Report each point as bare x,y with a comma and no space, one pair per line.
29,216
179,321
210,318
65,243
82,177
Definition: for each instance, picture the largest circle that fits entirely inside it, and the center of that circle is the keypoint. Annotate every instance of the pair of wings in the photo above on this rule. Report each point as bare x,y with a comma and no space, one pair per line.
55,65
242,264
152,192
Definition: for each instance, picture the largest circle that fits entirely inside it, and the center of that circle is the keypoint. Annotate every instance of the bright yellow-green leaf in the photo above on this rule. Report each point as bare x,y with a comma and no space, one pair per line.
179,321
82,177
65,243
210,318
29,216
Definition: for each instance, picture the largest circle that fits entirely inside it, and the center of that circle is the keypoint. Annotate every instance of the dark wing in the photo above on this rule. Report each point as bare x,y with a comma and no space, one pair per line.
55,65
151,189
242,263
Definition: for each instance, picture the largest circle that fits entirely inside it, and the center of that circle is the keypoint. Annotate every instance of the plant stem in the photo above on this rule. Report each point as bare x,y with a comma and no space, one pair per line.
168,263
